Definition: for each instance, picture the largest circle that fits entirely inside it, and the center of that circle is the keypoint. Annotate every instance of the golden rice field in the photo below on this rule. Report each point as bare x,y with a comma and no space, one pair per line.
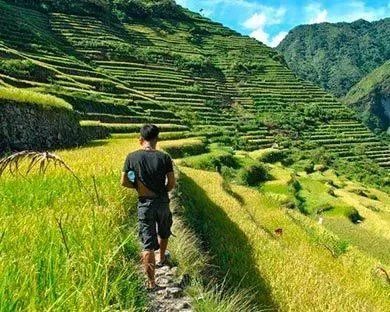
67,246
307,267
63,247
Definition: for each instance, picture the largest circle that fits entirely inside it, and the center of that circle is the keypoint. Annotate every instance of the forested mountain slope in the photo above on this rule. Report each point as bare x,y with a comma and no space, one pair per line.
371,97
174,68
337,56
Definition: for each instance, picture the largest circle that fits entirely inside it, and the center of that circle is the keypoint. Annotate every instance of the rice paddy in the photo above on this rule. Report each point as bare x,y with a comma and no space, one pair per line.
289,260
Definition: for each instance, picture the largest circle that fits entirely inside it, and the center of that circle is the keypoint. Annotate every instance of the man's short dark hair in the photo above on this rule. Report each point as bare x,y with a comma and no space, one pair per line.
150,132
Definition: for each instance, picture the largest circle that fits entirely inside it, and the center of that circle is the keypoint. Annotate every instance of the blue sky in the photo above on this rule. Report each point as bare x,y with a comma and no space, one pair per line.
270,20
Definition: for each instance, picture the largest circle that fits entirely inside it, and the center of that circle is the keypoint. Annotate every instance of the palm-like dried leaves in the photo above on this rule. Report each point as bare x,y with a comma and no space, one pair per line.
34,159
41,160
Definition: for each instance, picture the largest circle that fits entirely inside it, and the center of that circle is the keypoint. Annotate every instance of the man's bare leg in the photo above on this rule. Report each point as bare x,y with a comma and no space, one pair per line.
149,262
163,247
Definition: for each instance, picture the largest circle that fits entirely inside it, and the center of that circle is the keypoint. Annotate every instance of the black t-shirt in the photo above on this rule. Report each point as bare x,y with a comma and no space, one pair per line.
151,168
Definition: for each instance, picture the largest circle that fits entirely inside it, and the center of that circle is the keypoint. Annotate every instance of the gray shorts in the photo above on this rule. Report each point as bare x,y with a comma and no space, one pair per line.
154,218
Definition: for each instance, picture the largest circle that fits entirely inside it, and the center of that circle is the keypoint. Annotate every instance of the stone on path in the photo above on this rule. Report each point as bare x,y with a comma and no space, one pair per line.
170,296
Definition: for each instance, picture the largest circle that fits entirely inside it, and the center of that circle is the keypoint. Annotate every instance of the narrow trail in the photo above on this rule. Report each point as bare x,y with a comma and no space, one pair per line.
170,296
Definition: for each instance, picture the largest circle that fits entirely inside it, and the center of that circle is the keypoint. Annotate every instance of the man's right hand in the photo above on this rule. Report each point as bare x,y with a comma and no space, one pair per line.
126,182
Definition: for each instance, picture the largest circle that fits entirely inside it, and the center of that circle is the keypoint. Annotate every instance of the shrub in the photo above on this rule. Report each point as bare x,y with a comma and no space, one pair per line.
23,69
253,174
309,167
306,165
213,161
106,86
323,157
366,171
131,8
218,103
193,147
241,69
166,9
354,216
272,156
196,88
224,139
295,185
194,36
198,66
288,161
228,174
317,112
372,196
153,55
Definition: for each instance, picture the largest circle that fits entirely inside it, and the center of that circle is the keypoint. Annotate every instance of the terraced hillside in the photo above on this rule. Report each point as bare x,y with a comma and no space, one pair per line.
189,76
370,98
29,44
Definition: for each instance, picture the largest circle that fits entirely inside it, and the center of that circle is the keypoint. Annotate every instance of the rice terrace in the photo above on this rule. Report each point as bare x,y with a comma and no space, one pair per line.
281,155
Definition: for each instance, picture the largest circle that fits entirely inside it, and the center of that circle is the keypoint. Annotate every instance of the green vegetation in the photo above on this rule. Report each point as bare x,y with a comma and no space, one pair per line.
272,156
44,101
23,69
336,56
241,169
119,9
185,147
212,161
94,130
370,98
253,174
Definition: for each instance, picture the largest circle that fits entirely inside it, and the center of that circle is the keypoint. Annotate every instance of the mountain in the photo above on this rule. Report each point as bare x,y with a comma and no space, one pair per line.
371,98
337,56
169,66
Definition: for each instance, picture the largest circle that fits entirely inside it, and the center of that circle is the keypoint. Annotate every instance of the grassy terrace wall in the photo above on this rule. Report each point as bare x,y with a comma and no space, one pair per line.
31,120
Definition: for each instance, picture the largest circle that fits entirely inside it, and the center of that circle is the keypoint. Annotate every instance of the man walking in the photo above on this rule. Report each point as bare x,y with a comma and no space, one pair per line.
150,172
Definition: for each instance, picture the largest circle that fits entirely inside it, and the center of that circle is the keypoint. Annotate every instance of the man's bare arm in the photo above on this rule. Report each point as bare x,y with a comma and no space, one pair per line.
126,182
171,181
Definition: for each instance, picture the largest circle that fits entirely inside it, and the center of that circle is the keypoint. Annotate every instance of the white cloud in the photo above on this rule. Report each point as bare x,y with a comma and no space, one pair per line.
260,34
265,16
278,38
357,9
315,13
257,20
321,17
347,11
